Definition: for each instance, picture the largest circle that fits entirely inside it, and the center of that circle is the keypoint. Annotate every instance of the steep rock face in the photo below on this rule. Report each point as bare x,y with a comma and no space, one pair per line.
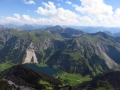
111,63
30,55
114,53
40,42
10,52
6,34
43,45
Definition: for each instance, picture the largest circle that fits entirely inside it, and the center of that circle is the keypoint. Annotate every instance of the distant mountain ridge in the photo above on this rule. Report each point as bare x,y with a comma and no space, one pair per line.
87,29
94,29
65,32
27,26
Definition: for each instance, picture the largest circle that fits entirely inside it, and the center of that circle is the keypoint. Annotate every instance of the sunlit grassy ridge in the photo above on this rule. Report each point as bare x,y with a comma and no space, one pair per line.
46,85
71,79
6,65
40,36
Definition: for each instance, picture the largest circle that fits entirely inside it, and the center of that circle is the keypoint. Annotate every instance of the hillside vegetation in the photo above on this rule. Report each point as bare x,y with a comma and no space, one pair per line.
74,53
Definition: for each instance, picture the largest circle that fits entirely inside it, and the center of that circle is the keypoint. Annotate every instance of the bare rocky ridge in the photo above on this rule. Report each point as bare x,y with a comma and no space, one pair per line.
20,77
13,86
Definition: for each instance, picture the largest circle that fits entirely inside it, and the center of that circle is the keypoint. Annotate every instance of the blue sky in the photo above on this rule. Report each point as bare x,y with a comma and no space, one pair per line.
62,12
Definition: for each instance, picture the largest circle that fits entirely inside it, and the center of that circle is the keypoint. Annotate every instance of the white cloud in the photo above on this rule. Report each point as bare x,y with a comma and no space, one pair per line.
29,1
68,2
92,13
117,13
50,9
53,15
24,19
58,15
94,7
15,18
99,12
28,19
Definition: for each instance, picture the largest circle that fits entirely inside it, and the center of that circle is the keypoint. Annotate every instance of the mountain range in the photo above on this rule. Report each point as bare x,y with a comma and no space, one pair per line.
63,48
87,29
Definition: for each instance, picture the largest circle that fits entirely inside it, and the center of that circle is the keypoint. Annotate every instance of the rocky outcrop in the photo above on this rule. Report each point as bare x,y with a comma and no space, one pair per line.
9,85
20,77
30,55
